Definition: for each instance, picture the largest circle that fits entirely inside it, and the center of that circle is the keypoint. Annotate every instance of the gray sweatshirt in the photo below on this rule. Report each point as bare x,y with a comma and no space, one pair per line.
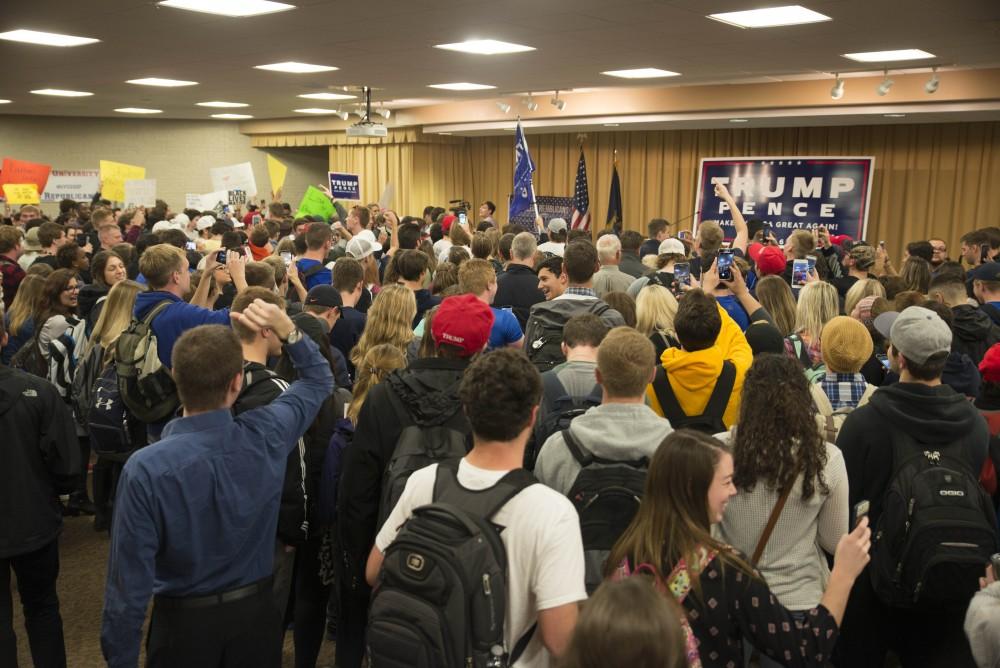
621,432
982,626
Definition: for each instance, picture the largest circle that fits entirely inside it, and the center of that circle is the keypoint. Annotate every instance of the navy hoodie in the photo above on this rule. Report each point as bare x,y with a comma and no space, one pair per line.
175,319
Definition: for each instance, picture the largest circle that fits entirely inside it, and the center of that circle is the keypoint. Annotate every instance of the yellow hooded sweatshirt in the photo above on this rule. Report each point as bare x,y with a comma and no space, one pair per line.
693,375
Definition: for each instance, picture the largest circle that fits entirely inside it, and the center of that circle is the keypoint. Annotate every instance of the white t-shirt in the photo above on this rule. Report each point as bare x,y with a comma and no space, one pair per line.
553,247
544,549
442,245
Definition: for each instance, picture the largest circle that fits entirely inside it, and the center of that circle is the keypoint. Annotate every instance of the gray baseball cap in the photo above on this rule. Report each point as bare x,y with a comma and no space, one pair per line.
918,333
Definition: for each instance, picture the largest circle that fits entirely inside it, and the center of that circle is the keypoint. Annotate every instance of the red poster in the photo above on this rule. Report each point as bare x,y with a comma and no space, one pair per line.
20,171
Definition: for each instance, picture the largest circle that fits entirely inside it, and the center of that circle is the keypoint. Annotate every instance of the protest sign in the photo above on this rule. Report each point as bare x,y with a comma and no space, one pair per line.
78,185
385,201
21,172
345,186
315,203
789,193
114,175
237,197
20,193
234,177
276,172
193,201
140,192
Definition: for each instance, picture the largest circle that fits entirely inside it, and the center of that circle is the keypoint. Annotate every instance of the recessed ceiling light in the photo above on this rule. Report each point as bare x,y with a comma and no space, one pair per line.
739,120
229,7
485,47
163,83
461,86
222,105
772,16
61,93
138,110
4,101
885,56
327,96
611,125
641,73
295,68
894,115
444,133
46,38
232,117
315,110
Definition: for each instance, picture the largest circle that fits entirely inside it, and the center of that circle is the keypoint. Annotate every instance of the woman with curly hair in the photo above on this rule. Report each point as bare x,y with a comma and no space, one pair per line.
778,450
390,320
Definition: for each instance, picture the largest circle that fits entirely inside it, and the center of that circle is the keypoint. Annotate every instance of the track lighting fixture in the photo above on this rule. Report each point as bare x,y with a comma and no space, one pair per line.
557,103
530,103
883,88
503,107
383,112
837,91
342,115
932,84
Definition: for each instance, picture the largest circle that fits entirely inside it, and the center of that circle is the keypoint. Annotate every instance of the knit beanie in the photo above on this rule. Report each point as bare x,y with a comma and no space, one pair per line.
845,345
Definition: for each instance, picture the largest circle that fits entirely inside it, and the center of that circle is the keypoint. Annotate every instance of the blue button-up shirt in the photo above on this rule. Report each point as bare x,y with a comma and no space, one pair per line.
197,512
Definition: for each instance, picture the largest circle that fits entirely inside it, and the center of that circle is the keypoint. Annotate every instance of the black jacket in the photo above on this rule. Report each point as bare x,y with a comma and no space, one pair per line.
517,289
39,459
974,332
260,387
425,394
632,265
932,416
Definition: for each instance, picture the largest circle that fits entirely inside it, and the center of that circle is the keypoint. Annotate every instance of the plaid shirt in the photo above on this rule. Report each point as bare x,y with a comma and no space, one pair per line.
12,277
844,389
583,292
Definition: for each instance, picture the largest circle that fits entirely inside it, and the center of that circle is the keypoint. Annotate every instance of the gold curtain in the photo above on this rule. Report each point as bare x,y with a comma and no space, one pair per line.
929,180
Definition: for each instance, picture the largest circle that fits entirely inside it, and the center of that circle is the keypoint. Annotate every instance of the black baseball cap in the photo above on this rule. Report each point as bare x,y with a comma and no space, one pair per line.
324,295
987,271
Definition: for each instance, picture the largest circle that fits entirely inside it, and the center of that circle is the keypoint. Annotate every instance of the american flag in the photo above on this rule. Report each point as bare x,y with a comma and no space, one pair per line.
581,198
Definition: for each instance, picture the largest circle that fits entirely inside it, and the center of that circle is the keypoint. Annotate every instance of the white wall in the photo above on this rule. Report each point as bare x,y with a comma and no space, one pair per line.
178,154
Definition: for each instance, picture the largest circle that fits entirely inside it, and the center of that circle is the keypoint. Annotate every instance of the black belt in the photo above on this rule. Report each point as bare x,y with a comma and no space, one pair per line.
209,600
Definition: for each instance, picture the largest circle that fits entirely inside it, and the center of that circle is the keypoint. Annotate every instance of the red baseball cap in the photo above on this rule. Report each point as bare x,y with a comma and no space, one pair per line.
839,239
463,321
446,222
770,260
990,366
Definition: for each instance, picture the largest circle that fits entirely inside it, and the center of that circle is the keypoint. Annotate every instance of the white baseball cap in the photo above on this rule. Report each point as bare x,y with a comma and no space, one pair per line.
205,222
671,246
361,246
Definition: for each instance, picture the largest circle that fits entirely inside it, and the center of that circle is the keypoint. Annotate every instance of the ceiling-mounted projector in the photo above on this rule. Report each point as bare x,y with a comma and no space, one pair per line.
366,127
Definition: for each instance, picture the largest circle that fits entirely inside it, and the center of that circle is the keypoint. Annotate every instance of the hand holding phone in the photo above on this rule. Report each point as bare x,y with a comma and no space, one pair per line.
860,510
800,272
682,273
725,264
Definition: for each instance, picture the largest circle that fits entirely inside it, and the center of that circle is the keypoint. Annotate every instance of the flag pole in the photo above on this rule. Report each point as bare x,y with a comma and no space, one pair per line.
534,201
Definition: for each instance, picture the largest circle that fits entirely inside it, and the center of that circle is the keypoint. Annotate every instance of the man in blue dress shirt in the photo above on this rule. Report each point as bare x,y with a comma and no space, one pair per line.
196,513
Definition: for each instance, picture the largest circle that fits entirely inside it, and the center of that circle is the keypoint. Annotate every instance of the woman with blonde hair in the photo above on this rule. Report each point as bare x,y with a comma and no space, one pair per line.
916,274
115,316
379,362
655,309
866,287
390,320
774,294
19,319
818,304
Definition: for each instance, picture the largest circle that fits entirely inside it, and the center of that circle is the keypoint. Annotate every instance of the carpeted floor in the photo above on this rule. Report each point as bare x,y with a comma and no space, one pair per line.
83,555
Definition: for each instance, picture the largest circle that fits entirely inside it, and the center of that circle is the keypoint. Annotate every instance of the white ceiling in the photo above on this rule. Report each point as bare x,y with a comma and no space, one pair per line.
388,44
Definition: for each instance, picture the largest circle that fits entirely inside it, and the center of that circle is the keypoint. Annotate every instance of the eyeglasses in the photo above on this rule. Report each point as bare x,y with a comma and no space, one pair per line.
71,288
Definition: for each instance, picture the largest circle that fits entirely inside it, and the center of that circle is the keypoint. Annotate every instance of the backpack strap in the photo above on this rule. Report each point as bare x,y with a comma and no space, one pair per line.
483,502
824,409
665,395
582,457
723,389
772,521
521,645
312,271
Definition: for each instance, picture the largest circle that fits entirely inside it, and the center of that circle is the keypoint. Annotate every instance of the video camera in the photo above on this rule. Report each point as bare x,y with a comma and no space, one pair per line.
461,207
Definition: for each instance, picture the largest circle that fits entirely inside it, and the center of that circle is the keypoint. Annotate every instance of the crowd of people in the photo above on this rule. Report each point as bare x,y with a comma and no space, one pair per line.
451,443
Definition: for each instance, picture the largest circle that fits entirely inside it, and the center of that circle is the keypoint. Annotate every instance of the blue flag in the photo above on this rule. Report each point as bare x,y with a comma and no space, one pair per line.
615,202
523,196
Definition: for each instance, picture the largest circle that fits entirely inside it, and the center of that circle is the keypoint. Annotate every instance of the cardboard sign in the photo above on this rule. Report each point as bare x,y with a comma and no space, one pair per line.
140,192
237,197
315,203
78,185
21,193
20,172
385,201
114,175
276,172
234,177
345,186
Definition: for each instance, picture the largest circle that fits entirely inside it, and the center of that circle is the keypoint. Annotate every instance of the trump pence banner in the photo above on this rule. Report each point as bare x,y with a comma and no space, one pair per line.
789,193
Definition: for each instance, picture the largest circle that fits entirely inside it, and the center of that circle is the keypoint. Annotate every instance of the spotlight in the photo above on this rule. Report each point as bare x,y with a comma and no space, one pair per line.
837,91
883,88
384,113
504,107
530,103
557,103
932,84
360,113
342,115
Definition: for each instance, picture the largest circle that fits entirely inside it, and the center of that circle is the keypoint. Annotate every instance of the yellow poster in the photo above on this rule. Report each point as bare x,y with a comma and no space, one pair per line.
277,172
21,193
114,175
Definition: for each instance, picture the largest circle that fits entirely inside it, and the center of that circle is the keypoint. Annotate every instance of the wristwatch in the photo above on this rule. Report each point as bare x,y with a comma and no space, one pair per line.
294,337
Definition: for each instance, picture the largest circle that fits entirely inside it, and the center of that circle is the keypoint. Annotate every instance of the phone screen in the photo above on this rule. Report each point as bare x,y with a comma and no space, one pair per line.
682,272
811,259
860,510
286,257
725,265
884,359
220,257
256,219
190,245
463,218
800,272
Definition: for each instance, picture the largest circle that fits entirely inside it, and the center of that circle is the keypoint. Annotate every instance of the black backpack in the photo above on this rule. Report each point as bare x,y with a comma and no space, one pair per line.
545,348
936,531
606,495
563,408
29,357
416,448
709,422
145,385
114,434
442,594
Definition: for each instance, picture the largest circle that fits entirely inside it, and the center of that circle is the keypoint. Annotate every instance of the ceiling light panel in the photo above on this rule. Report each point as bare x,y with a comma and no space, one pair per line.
315,110
887,56
485,47
219,104
293,67
138,110
4,101
232,117
46,38
328,96
229,7
641,73
59,92
162,83
462,85
770,17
